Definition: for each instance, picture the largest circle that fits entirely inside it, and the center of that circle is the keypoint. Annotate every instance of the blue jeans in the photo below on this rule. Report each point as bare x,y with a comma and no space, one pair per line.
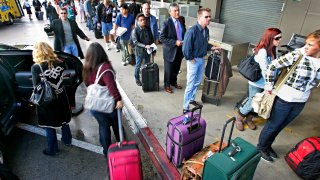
194,77
105,120
282,114
106,28
138,65
71,49
52,138
124,50
247,107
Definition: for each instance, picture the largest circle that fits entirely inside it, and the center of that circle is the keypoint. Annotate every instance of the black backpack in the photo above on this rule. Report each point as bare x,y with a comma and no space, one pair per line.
212,70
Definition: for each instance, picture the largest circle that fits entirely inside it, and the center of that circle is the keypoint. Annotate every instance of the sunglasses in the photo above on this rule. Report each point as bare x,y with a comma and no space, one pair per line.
277,38
207,17
63,13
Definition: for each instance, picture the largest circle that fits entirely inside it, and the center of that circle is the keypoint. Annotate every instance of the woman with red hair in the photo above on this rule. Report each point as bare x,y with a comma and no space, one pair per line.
293,94
264,52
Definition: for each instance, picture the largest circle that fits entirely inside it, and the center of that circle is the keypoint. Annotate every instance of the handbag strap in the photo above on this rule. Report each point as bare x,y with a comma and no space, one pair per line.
285,78
99,76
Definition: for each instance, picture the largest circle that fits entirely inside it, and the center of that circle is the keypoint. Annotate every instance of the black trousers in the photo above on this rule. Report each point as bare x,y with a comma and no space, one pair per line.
171,69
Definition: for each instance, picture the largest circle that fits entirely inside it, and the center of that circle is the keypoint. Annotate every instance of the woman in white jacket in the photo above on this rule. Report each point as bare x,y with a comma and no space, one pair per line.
293,94
265,52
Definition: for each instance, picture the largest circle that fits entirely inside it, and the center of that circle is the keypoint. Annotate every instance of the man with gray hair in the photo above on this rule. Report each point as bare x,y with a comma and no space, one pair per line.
172,35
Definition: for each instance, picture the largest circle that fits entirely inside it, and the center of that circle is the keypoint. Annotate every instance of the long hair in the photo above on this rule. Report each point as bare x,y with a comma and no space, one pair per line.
95,56
266,42
43,52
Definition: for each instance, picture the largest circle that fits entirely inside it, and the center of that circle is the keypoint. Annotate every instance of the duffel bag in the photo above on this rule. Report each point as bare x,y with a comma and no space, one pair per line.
304,158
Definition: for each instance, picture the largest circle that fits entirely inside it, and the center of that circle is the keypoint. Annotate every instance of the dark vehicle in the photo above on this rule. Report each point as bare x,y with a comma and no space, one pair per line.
16,82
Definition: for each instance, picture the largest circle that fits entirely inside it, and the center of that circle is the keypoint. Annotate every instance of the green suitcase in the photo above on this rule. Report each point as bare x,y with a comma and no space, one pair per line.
238,161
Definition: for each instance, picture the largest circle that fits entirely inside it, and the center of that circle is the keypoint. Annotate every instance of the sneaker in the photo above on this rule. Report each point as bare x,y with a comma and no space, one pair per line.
127,62
117,50
272,153
265,156
107,47
138,83
114,45
124,63
185,111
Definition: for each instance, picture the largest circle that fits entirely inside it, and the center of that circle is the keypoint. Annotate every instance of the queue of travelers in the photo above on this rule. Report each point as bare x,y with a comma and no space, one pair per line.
178,43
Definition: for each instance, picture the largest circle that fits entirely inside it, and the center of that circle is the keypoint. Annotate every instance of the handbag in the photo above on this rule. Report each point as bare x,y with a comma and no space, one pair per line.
43,93
98,97
250,69
262,102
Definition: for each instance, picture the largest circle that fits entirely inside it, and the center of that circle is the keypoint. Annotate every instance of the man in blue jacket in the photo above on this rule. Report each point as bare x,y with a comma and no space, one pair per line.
194,48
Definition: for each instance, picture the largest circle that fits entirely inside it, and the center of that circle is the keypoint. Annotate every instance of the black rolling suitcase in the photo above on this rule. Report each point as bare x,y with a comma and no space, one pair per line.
149,74
211,82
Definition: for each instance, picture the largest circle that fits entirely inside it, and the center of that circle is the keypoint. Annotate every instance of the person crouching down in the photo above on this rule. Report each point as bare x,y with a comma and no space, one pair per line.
142,39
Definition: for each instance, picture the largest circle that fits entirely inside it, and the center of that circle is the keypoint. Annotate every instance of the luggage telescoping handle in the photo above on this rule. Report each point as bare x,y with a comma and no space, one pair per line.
119,112
224,130
196,107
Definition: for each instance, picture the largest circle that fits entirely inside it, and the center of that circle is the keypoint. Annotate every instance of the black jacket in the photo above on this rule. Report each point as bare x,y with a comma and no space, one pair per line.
51,13
57,112
168,37
104,14
59,39
141,38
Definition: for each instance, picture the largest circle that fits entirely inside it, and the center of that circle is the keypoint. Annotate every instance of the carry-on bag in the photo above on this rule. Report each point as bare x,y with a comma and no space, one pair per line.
124,158
149,74
212,69
193,168
304,158
185,135
210,92
238,160
97,33
211,82
40,15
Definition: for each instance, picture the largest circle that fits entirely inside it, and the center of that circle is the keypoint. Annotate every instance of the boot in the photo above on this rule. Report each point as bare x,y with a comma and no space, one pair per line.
249,122
239,122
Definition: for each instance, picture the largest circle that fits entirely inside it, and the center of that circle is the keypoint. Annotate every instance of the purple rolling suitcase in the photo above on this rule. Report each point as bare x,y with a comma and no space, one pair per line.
184,140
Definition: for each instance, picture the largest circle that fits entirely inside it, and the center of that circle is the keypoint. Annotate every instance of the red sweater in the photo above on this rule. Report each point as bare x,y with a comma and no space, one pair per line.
107,79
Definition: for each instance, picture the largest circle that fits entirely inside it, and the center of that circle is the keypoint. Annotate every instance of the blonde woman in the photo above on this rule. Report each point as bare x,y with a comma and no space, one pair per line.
56,114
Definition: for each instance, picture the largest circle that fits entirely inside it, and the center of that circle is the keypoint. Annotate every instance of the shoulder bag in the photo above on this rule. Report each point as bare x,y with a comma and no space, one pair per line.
262,102
43,93
98,97
250,69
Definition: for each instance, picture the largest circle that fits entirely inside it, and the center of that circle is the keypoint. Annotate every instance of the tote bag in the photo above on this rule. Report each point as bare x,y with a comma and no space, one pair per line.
250,69
43,93
98,97
262,102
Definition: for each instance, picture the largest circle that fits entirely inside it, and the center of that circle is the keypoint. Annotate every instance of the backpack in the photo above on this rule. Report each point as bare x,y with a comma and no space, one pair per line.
304,158
71,13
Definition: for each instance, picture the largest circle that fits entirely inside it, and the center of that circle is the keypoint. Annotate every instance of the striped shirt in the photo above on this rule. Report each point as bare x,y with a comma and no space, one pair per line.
300,82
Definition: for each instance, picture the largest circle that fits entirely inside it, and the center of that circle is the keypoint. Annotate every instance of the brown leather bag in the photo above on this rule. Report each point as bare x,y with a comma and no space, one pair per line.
193,168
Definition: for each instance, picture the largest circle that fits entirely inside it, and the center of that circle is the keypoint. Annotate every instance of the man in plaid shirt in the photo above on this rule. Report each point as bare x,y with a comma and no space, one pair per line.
293,94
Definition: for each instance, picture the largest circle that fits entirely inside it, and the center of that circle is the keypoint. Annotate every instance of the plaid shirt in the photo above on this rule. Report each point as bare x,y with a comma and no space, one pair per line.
303,78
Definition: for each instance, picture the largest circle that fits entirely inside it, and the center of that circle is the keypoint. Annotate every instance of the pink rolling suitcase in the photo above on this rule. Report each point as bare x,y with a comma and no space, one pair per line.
185,139
124,158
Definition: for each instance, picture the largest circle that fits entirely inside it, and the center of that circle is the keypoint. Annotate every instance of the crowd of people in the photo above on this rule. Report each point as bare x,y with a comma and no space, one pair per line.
178,43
